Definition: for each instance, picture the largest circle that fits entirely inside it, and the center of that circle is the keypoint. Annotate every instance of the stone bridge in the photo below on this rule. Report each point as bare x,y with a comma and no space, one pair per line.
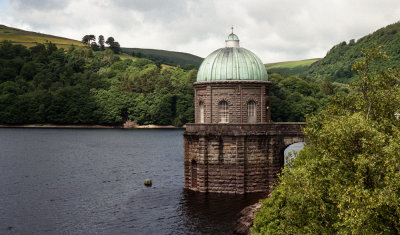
236,158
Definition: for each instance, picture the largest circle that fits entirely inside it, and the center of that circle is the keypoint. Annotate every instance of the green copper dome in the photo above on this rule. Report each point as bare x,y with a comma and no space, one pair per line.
232,63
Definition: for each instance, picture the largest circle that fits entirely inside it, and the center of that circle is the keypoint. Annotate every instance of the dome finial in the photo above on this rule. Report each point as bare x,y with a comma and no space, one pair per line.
232,40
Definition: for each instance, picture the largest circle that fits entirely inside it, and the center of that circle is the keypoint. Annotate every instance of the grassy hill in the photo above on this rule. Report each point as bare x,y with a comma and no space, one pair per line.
337,63
185,60
287,68
28,38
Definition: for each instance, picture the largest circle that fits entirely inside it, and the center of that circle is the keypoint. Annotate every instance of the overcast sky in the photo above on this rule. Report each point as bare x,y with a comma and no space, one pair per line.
275,30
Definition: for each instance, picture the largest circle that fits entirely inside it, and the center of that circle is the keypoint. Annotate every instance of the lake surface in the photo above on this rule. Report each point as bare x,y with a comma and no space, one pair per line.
90,181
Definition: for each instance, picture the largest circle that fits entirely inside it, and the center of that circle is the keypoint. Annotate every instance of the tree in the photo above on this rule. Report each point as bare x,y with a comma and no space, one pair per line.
44,84
327,87
87,39
161,110
50,48
94,46
346,178
101,42
114,46
110,40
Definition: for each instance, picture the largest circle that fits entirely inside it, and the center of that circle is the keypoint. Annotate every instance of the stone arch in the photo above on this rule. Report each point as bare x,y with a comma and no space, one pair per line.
287,141
200,100
252,99
289,153
220,99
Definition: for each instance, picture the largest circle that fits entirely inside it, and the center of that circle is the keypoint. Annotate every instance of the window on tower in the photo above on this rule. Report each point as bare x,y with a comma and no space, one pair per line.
251,112
201,112
223,112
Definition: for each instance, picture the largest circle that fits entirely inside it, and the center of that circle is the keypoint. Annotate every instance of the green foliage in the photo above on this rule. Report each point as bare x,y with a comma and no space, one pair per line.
337,63
113,45
185,60
44,84
292,98
88,39
101,42
345,181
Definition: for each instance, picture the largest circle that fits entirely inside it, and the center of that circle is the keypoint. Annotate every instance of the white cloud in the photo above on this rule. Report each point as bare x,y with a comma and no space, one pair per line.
276,30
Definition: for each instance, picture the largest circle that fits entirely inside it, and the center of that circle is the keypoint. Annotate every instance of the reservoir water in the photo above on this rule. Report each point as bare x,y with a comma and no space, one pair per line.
90,181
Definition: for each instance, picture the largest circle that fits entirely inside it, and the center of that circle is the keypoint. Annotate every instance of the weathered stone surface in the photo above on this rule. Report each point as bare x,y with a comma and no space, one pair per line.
238,94
236,158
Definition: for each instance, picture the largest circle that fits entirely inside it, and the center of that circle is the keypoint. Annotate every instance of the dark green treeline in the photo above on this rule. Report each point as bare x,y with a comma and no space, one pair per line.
44,84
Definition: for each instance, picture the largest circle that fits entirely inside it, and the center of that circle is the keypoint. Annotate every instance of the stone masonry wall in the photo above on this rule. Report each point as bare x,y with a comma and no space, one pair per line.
241,158
238,94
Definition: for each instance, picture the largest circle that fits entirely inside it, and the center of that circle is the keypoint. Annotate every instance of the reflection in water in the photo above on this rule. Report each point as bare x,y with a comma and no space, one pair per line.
212,212
180,211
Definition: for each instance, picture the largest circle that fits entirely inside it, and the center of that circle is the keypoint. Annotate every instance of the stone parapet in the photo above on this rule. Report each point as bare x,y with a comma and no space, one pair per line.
279,128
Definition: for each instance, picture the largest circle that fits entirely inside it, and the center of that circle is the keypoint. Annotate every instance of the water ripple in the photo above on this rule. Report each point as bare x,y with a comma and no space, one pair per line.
91,182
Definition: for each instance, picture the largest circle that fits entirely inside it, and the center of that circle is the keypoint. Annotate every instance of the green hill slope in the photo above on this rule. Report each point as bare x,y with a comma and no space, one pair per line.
29,38
338,61
290,67
185,60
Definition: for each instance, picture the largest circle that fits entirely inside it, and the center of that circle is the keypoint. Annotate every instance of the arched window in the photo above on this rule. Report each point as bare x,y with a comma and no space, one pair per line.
251,112
201,112
223,112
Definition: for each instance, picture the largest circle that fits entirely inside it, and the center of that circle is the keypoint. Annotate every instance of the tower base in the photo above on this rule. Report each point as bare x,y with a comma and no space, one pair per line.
236,158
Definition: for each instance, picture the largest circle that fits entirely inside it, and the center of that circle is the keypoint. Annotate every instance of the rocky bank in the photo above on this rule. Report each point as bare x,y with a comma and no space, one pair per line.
245,221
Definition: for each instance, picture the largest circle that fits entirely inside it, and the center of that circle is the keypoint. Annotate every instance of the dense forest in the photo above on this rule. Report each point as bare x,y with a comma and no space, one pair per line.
336,65
44,84
79,85
292,97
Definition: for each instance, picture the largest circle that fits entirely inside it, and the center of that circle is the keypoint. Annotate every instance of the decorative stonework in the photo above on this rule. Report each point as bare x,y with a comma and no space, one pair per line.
224,98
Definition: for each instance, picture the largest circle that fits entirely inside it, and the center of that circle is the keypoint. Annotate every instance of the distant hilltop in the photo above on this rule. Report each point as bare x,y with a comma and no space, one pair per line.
29,39
336,65
287,68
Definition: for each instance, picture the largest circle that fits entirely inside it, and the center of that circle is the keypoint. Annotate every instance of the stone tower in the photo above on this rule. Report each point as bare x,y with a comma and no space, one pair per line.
232,147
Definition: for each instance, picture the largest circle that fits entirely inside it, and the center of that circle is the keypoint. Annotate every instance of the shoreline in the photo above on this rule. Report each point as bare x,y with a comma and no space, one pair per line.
54,126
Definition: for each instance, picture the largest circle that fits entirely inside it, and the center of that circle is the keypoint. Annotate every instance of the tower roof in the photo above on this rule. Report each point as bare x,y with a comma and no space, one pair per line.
232,63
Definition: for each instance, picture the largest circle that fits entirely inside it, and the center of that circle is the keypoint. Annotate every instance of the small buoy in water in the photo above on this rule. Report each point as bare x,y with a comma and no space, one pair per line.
147,182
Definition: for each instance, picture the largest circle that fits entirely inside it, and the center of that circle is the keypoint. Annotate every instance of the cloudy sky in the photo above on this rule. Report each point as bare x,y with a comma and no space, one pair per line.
276,30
